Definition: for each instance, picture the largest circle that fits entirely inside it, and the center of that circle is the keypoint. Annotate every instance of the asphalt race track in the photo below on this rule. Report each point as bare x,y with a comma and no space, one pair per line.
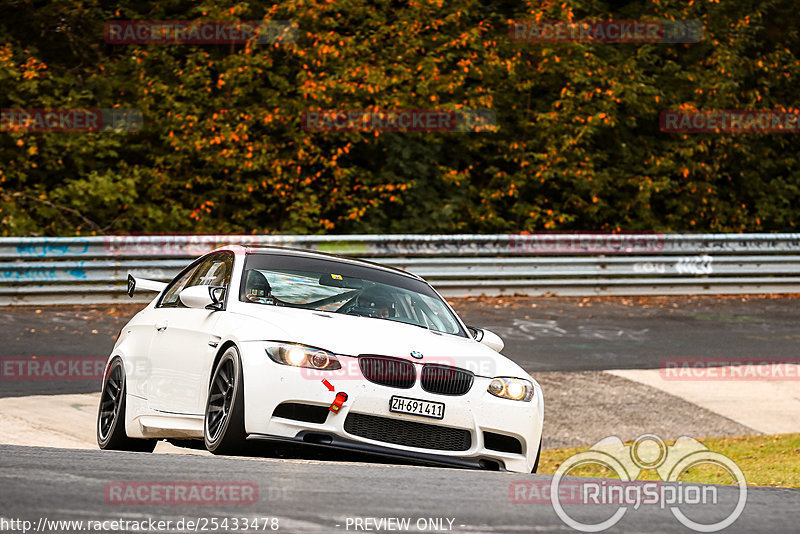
561,341
560,334
307,496
555,334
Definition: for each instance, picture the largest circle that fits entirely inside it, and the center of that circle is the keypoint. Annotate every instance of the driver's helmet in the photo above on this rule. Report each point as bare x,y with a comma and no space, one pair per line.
377,303
257,288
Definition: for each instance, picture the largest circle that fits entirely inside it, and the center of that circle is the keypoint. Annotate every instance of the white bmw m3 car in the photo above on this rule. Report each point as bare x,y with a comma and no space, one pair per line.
298,347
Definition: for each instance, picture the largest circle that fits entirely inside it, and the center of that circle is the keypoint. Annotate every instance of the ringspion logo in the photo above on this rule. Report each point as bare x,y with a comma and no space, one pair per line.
648,452
588,491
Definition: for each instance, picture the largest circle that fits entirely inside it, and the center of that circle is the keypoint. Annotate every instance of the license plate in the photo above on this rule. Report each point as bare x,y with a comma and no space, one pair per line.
434,410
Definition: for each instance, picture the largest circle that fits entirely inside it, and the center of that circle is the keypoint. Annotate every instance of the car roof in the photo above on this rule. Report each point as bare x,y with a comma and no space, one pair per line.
287,251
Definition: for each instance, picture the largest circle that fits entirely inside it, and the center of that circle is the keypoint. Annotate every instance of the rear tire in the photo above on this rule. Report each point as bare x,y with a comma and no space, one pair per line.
223,428
111,433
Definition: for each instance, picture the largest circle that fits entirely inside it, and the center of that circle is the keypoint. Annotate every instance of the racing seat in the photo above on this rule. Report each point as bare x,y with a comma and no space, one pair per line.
257,288
374,303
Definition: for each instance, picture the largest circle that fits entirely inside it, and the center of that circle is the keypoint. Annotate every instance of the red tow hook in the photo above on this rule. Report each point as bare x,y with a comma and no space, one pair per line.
336,405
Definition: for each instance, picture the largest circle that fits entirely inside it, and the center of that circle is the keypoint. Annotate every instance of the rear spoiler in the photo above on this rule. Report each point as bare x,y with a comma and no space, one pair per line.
144,283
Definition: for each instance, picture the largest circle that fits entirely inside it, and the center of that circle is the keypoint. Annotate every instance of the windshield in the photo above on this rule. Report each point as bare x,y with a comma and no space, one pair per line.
338,287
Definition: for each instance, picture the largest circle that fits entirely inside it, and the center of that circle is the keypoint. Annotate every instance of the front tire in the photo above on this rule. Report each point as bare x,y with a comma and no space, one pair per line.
111,433
223,429
538,455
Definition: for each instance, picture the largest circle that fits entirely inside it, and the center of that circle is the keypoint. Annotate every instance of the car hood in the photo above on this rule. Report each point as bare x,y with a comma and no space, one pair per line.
352,336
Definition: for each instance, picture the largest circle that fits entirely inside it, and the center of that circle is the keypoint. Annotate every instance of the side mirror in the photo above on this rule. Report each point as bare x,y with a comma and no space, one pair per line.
487,337
203,297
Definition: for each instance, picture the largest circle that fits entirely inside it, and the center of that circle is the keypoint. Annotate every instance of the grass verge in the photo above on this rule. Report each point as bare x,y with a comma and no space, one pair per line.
765,460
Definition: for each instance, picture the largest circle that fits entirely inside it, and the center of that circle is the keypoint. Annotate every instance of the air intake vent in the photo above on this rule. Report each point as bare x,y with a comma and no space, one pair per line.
408,433
446,380
301,412
502,443
391,372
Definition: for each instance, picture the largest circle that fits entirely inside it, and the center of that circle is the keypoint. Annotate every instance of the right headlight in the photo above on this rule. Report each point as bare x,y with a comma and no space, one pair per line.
511,388
302,356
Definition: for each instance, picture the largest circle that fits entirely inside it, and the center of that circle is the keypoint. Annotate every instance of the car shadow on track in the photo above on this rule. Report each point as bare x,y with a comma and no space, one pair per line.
307,451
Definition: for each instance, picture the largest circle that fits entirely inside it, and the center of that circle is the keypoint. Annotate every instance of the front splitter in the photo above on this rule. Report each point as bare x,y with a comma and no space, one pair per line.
326,440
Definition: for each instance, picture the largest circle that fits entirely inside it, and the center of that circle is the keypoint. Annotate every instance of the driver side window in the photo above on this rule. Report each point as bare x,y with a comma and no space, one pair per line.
214,271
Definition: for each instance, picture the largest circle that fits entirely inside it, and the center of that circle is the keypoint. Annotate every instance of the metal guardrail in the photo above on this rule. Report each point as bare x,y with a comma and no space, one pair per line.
94,269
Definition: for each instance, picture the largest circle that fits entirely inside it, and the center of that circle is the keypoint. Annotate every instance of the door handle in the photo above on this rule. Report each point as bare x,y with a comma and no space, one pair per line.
161,326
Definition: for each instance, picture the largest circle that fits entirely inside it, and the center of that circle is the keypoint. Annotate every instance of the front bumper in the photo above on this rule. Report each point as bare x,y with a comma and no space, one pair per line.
268,384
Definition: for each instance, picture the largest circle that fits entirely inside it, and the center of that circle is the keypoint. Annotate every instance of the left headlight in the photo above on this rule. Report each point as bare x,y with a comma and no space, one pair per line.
511,388
302,356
